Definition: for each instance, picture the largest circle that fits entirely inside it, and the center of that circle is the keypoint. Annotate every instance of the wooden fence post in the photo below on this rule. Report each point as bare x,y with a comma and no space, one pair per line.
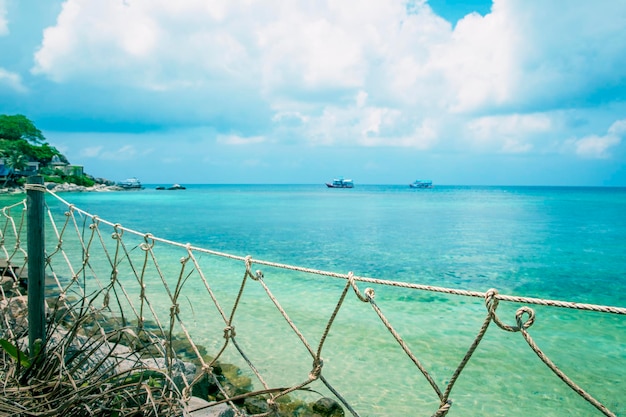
36,262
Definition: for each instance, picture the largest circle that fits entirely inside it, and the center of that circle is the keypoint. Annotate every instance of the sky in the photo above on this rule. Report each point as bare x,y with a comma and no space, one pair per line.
503,92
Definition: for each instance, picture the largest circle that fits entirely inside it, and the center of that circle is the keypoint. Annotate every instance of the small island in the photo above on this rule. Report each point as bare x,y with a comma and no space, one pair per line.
24,152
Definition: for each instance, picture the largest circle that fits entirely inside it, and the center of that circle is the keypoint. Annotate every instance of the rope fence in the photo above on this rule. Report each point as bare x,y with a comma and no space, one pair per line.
185,316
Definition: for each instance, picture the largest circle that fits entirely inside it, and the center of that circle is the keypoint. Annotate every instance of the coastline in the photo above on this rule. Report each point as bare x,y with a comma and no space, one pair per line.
65,187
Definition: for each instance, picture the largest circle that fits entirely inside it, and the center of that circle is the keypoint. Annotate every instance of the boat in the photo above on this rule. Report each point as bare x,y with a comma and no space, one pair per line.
340,183
421,184
173,187
130,184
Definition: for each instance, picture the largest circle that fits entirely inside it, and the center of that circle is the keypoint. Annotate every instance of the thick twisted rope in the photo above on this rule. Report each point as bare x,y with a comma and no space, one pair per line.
525,316
522,326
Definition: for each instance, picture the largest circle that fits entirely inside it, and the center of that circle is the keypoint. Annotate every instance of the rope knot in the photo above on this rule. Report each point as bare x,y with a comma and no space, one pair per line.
70,210
443,409
317,369
491,301
229,332
369,292
35,187
148,242
272,405
95,221
117,232
174,310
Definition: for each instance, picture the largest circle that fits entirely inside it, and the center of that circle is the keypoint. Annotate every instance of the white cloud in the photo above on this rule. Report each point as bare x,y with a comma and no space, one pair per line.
239,140
508,134
12,80
4,23
345,73
111,153
299,49
91,152
598,147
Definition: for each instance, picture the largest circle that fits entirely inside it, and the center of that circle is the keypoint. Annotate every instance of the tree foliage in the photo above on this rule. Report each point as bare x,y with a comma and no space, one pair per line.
21,142
18,127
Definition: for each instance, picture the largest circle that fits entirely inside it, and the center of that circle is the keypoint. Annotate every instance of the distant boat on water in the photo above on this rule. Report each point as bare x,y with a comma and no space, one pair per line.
421,184
130,184
173,187
340,183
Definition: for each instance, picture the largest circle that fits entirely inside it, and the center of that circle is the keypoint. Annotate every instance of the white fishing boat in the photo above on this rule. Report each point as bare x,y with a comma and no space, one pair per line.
130,184
340,183
421,184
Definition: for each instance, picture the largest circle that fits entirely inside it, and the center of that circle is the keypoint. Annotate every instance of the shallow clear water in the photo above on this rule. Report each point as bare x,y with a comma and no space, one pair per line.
547,242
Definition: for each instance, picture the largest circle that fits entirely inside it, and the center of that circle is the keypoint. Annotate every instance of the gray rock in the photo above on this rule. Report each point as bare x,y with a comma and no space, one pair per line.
197,407
328,407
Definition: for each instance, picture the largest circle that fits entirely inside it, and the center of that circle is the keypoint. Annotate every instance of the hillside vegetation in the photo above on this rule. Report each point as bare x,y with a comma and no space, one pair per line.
24,152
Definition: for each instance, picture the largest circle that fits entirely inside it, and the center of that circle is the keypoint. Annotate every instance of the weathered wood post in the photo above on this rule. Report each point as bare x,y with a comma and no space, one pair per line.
35,198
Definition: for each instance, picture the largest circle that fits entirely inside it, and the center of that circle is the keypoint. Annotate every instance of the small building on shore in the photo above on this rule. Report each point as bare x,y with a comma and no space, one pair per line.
65,168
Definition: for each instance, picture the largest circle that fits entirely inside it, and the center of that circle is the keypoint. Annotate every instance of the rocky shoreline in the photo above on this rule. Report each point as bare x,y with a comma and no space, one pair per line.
66,187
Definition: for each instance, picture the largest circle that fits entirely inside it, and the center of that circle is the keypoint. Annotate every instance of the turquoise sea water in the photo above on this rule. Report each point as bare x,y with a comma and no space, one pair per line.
562,243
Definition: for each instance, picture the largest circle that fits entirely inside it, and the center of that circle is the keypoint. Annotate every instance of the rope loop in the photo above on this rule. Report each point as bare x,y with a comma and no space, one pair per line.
35,187
315,373
492,301
148,243
229,332
369,292
258,275
118,232
519,315
70,210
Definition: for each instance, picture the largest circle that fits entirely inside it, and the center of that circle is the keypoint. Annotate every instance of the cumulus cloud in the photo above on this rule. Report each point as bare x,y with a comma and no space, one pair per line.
344,73
293,48
12,80
508,133
598,147
4,24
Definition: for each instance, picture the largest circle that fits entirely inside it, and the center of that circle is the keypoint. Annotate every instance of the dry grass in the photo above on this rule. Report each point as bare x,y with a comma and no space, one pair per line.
74,374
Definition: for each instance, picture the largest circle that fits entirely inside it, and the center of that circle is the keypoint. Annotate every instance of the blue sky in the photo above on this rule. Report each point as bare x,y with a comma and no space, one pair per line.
513,92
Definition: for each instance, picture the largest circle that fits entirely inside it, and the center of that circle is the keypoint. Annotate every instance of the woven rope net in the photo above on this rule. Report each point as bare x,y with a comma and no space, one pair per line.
182,303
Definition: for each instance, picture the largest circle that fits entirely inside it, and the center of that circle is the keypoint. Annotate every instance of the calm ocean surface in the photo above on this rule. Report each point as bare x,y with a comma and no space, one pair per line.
563,243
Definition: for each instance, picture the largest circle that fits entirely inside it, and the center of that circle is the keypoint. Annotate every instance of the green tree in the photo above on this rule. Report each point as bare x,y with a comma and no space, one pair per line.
18,127
15,161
